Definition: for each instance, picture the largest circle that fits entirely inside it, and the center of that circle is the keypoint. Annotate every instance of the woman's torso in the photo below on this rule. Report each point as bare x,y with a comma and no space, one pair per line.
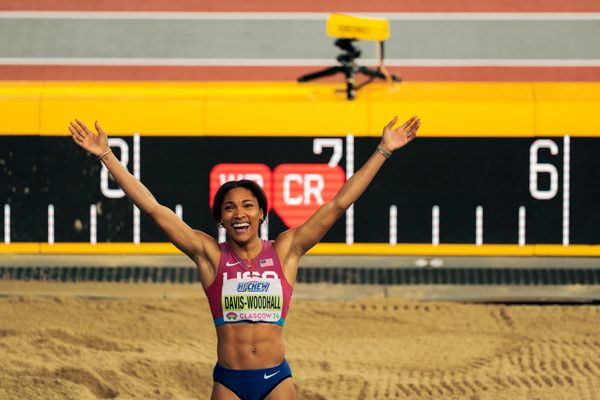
249,302
250,345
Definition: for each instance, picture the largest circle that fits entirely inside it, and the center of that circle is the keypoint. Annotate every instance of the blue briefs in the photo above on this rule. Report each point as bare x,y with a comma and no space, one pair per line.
252,384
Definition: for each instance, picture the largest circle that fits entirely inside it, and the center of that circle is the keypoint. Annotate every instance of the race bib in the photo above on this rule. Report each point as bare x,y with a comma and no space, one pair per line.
252,299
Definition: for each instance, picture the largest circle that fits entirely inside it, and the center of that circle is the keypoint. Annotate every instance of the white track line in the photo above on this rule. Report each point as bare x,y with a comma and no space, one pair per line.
136,173
435,225
300,16
522,226
349,173
296,62
566,189
393,225
479,225
93,224
7,223
50,224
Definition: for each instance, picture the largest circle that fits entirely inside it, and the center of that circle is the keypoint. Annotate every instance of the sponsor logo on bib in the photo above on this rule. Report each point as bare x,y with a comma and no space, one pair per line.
253,286
232,316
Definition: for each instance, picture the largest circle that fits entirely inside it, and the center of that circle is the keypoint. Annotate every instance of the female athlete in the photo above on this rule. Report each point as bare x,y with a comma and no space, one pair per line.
248,281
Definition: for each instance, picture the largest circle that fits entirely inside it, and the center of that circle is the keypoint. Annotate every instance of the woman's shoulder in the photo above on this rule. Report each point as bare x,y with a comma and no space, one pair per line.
284,239
209,244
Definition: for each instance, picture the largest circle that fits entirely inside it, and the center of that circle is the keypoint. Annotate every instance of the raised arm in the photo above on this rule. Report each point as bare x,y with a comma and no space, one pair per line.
295,242
191,242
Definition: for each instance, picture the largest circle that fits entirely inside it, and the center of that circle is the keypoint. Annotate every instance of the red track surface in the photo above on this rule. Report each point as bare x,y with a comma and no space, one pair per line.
307,5
216,73
228,73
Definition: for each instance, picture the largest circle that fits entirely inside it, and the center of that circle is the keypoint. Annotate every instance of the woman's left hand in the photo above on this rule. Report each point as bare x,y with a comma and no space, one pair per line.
395,138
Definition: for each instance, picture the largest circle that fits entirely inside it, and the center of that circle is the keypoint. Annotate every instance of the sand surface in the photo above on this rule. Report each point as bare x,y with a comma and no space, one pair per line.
157,342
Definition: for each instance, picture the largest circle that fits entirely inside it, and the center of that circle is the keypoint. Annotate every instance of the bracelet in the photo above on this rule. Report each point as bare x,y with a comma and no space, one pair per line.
384,152
107,152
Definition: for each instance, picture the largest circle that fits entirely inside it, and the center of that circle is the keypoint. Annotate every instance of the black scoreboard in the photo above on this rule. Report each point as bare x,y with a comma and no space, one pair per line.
445,190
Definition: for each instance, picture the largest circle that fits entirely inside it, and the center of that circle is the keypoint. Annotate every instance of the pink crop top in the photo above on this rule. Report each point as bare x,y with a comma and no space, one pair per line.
243,294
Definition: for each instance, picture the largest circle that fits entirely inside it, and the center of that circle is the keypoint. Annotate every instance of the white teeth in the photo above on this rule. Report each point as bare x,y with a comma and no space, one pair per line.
241,225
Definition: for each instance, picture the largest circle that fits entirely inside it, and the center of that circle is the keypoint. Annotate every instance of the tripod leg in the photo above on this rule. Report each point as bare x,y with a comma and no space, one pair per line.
350,73
319,74
376,73
395,78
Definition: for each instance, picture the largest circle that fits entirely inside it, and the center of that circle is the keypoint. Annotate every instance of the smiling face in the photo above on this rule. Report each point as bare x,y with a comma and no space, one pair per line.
241,215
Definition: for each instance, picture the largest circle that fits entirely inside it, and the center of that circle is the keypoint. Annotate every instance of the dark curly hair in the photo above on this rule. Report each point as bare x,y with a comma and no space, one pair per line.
246,184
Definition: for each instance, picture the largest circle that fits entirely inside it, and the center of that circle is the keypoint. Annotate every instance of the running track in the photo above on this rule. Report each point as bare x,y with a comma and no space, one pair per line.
461,40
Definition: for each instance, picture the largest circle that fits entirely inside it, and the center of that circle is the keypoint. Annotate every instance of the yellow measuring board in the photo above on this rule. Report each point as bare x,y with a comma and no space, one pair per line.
382,249
293,109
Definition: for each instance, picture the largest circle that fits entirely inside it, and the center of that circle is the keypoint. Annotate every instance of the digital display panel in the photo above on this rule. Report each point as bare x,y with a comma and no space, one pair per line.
436,190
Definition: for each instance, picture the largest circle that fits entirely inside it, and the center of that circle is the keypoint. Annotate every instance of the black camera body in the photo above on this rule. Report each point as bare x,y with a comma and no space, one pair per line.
350,52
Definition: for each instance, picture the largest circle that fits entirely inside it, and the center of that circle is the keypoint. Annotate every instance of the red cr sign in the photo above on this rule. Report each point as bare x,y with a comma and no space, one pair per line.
298,190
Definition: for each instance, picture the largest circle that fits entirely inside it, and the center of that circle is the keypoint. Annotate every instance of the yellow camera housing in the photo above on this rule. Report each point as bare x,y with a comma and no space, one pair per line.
350,27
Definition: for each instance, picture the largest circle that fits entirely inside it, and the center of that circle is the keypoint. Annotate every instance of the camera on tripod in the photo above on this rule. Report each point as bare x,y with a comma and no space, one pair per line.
349,29
351,52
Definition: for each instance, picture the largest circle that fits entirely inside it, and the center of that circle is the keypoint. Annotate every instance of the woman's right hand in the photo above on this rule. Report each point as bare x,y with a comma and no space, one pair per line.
95,143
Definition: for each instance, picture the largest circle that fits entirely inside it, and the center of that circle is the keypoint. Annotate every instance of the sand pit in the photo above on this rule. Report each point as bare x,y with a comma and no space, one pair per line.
158,342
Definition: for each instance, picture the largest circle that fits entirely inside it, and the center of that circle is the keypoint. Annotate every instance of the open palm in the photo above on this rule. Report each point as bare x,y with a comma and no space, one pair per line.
395,138
95,143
